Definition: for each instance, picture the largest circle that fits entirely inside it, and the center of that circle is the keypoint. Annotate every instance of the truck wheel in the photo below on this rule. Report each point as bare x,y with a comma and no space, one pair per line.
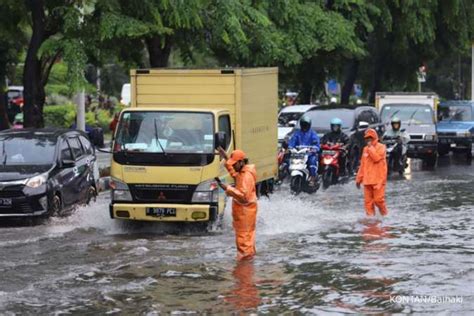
431,161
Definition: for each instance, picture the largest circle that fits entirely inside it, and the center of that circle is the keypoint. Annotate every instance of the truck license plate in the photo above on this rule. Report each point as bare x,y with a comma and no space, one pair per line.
5,202
161,211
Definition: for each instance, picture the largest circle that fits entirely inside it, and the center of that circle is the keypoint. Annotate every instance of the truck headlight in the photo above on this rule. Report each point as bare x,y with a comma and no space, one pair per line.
37,181
430,137
206,192
120,190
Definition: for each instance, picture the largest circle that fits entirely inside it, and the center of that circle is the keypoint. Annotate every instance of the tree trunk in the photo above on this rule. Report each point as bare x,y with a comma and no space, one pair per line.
352,70
34,94
305,96
377,77
159,53
4,123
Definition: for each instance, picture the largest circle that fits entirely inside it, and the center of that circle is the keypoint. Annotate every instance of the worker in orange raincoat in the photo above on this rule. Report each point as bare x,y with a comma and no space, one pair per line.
244,204
373,173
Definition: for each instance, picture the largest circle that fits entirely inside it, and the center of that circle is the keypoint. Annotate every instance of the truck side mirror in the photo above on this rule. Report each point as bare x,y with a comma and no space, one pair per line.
221,140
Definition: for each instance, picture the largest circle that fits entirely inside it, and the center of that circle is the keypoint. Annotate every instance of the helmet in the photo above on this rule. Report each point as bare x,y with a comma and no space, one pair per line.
305,123
333,100
336,124
396,123
363,126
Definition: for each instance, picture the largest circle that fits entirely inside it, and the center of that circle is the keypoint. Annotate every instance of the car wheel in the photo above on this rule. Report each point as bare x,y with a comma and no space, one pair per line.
55,206
91,195
469,156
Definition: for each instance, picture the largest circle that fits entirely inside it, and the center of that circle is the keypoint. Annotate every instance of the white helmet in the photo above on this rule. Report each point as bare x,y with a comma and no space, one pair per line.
363,125
333,100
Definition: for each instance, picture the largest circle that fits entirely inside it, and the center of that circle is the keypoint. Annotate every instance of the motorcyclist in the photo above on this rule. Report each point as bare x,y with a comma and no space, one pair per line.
401,136
305,136
357,144
337,136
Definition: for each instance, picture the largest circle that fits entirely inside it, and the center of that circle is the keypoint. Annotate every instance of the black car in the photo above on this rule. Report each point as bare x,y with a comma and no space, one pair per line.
351,116
44,172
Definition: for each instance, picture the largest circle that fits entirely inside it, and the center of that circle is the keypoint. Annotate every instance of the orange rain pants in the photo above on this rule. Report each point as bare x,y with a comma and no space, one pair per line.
373,175
375,196
244,209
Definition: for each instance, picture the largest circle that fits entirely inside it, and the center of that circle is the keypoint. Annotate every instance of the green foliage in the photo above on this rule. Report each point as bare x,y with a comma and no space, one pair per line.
59,115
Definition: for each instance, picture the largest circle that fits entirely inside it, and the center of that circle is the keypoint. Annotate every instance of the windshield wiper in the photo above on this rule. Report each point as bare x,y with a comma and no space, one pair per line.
158,137
458,111
411,117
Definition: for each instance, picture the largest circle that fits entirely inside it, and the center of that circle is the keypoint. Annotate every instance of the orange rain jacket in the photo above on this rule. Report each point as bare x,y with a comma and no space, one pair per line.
373,165
244,208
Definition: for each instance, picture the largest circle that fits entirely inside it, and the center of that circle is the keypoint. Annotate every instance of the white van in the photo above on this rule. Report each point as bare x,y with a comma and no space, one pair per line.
125,95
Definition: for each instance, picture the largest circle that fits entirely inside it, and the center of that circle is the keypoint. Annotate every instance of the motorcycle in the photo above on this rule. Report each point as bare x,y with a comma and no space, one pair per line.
283,165
329,164
299,171
394,163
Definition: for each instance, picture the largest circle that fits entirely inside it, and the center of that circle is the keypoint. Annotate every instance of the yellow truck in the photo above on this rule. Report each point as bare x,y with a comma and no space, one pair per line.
164,159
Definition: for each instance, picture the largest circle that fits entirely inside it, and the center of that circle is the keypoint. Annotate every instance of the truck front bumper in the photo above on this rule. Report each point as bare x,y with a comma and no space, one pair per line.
422,149
183,212
455,143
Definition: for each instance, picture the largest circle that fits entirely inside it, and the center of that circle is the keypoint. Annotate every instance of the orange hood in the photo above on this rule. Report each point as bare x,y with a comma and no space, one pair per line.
373,134
251,169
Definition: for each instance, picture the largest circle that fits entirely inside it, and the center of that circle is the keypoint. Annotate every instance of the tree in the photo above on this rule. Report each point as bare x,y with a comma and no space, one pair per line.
46,21
11,41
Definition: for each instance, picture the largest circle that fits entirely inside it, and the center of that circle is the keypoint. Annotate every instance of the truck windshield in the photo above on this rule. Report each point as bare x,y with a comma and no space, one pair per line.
408,113
455,113
166,132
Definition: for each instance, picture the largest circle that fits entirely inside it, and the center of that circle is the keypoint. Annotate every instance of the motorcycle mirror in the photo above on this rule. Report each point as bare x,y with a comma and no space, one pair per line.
402,130
292,123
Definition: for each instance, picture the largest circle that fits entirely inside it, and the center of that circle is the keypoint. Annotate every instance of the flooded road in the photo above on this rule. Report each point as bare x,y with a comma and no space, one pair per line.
316,255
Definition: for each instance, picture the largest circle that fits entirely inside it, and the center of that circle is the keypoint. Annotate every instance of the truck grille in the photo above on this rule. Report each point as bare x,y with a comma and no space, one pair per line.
162,193
447,134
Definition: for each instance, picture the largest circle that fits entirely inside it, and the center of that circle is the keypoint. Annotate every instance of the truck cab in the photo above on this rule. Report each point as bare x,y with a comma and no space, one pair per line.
164,164
164,161
456,127
417,112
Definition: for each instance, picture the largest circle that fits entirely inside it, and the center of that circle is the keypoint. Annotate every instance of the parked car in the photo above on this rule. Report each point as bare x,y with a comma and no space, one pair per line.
45,172
288,118
15,102
456,127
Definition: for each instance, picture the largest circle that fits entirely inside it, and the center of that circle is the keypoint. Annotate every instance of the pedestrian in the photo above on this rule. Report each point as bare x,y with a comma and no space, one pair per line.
373,174
244,201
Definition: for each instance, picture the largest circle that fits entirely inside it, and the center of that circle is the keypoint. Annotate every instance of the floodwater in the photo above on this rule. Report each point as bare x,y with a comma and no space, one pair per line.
316,255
